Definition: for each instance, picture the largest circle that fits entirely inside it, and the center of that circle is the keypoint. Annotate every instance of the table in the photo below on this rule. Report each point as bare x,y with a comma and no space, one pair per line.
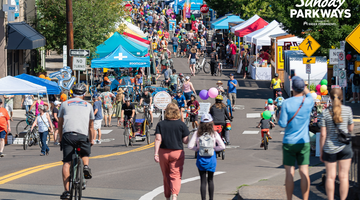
260,73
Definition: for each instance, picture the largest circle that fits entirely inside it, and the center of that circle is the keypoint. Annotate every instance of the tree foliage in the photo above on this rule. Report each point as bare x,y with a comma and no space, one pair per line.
326,35
93,20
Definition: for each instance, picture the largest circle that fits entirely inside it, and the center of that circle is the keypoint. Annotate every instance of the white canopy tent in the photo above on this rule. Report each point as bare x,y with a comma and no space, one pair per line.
264,39
249,38
14,86
134,28
291,39
245,24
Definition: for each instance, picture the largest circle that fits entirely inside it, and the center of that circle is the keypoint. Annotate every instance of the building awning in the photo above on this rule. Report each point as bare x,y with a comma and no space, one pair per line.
22,36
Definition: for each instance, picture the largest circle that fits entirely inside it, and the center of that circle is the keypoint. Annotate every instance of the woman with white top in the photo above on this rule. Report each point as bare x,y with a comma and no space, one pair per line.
27,101
43,122
206,165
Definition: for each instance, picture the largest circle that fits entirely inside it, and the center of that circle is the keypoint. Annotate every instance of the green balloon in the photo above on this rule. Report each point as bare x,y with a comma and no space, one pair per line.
324,82
267,114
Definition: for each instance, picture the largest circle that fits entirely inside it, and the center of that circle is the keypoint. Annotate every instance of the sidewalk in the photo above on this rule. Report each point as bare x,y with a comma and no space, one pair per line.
274,187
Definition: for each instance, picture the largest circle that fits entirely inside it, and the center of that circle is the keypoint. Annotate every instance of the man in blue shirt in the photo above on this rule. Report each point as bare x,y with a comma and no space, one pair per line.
295,118
98,118
180,98
150,19
231,91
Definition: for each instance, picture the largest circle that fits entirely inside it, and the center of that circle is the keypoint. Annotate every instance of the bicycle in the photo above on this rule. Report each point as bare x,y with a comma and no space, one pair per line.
218,69
264,135
186,116
33,138
26,123
77,181
146,123
128,133
202,66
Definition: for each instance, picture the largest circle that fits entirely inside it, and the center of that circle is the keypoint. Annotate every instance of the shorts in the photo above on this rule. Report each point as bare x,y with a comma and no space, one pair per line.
107,111
55,124
188,95
175,48
97,124
355,89
2,134
9,107
192,61
233,57
346,153
193,118
203,48
72,140
299,153
151,107
182,50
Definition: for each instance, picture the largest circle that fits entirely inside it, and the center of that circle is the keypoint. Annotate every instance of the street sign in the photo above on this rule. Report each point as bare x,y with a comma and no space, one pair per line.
79,64
353,38
335,70
334,56
204,108
308,68
309,46
162,99
80,52
342,78
64,55
335,86
342,45
341,60
294,48
309,60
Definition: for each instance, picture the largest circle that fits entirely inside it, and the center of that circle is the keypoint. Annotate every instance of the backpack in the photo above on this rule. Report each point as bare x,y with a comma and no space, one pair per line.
206,143
356,79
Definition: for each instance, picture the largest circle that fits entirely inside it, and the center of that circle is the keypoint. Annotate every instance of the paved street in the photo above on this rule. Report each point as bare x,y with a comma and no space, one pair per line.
130,173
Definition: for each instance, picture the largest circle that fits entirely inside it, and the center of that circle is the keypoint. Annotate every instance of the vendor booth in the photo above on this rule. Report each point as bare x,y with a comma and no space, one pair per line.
137,40
114,41
51,87
14,86
134,28
253,24
224,23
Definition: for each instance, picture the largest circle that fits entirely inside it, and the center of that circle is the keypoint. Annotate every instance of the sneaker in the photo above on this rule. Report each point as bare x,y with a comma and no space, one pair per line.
353,102
1,154
151,125
262,144
42,154
99,141
270,138
96,141
65,195
87,172
56,143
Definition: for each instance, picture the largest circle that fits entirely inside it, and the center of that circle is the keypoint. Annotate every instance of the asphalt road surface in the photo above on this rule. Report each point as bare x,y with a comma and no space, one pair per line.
130,173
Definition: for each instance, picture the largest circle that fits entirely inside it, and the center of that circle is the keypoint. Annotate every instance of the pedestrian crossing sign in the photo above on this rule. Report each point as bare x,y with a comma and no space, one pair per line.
309,60
309,46
353,38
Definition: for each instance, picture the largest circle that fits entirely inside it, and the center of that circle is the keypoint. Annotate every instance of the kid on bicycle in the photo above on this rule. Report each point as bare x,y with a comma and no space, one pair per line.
279,100
264,124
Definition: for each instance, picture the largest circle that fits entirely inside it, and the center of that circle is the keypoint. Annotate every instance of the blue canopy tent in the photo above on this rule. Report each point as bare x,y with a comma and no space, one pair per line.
120,58
224,22
51,87
114,41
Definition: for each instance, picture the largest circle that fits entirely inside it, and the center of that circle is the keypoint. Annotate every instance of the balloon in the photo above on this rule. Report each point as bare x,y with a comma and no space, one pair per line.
312,91
318,97
213,92
42,76
318,93
64,75
266,114
314,95
204,94
348,57
324,93
323,88
318,88
323,82
63,97
48,78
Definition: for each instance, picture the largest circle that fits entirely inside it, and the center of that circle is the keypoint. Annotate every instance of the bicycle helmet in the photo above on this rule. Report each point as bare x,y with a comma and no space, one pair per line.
172,93
193,95
276,75
270,101
179,91
219,97
279,93
174,71
127,98
79,89
181,74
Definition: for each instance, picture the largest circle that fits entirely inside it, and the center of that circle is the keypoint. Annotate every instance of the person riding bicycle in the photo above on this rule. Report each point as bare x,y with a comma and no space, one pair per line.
173,80
147,99
220,114
264,124
167,72
214,61
180,98
173,100
279,101
180,81
128,113
76,129
194,107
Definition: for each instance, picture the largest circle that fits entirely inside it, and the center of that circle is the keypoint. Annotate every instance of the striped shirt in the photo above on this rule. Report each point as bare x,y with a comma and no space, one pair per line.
332,144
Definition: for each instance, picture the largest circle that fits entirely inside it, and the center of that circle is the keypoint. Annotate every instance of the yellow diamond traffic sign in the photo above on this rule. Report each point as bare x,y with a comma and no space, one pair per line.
309,46
309,60
354,38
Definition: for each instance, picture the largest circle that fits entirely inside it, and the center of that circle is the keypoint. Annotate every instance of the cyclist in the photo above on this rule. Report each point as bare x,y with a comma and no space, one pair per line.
147,99
276,84
173,80
167,72
128,113
265,126
194,107
180,81
213,62
180,98
279,101
220,114
76,127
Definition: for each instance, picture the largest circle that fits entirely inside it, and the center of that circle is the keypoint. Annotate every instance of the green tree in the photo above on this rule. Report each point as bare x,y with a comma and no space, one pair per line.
94,20
326,35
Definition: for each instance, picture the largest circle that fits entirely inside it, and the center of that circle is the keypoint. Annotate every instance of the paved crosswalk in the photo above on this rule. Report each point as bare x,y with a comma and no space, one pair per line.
253,115
105,132
247,132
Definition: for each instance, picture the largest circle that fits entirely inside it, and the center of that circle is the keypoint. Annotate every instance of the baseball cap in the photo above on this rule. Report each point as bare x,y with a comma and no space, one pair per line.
187,77
206,118
231,75
57,103
298,84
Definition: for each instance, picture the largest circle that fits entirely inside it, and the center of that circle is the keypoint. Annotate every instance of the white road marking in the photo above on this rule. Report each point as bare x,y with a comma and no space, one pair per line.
231,147
239,107
156,115
253,115
282,132
151,195
106,131
107,140
250,132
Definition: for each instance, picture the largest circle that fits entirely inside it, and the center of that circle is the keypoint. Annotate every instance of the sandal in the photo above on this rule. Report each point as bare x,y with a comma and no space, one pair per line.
174,197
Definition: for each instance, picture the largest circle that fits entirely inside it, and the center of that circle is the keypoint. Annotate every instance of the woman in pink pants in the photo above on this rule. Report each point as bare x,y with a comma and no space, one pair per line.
170,135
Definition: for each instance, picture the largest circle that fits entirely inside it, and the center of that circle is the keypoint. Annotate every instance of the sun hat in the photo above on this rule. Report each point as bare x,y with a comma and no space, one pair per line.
298,84
206,118
219,82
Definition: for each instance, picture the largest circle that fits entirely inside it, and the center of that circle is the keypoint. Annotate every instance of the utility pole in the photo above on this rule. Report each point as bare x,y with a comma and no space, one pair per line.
69,31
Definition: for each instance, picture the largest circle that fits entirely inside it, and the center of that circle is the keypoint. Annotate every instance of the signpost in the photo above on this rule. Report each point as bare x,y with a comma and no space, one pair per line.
79,64
64,55
343,82
353,38
161,100
309,60
80,52
309,46
341,61
308,71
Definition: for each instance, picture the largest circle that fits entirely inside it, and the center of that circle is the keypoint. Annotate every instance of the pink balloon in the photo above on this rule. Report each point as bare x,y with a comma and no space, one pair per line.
318,93
318,88
213,92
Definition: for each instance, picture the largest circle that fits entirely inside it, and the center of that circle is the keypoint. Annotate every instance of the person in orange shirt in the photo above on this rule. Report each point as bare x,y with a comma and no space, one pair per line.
4,126
106,79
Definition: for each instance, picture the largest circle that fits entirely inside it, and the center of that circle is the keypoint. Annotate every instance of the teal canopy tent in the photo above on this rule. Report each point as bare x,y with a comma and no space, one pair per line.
224,23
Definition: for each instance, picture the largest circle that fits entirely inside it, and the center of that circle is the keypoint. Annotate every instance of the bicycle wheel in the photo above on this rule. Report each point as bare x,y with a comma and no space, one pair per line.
147,132
197,69
79,180
21,126
187,122
37,139
72,178
222,154
26,140
126,137
265,142
206,68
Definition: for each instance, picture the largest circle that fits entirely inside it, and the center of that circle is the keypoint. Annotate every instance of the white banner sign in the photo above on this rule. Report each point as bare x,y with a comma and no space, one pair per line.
162,99
79,64
204,108
334,56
